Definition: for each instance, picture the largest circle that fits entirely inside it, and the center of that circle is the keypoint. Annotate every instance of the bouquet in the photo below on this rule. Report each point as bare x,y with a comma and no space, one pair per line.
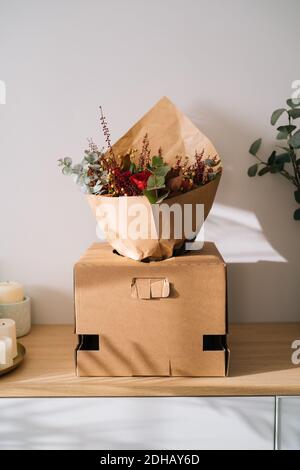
151,162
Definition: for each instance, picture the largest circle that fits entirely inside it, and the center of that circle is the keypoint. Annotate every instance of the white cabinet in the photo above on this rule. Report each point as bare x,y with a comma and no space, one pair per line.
137,423
288,423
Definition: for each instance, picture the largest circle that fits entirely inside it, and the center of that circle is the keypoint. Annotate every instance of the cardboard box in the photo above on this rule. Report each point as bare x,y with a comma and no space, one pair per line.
161,318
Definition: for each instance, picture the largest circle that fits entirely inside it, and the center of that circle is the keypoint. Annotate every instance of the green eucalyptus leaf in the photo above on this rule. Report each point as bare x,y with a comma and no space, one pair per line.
164,196
162,170
295,140
264,170
80,179
272,158
67,161
297,214
85,189
151,182
150,195
253,170
283,158
155,182
288,128
157,161
255,147
160,182
297,195
293,103
95,166
211,176
210,162
294,113
75,178
276,115
276,168
67,170
97,188
77,169
91,158
132,167
282,135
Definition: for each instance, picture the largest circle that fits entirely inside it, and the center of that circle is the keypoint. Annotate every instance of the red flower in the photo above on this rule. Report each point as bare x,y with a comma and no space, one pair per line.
140,179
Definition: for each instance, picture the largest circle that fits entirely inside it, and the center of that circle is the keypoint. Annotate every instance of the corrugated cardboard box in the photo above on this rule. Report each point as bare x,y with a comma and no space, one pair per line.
162,318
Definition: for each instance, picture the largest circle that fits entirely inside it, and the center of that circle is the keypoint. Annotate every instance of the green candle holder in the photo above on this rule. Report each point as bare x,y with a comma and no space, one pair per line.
20,312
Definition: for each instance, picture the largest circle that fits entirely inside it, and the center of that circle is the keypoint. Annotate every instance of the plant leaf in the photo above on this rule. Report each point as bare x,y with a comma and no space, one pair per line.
255,147
294,113
295,140
288,128
155,182
162,170
282,135
77,169
277,168
164,196
264,170
67,170
150,195
283,158
132,167
293,103
67,161
210,162
157,161
297,195
252,170
297,214
272,158
276,115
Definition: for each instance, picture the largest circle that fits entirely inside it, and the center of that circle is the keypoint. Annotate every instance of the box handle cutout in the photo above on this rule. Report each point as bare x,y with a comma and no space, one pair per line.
88,343
150,288
214,343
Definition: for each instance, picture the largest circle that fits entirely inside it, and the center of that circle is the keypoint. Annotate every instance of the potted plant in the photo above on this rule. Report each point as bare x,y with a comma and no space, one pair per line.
285,160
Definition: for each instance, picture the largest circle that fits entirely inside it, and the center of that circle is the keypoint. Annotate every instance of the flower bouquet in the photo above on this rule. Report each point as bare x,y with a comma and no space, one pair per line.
143,188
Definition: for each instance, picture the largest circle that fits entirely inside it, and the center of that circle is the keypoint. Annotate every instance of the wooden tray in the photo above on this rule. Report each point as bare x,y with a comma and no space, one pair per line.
17,360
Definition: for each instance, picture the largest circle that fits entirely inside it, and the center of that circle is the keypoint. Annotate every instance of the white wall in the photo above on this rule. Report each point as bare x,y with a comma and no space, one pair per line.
226,64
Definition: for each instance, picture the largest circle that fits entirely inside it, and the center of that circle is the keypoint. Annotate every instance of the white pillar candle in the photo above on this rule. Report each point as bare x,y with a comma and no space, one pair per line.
6,351
11,292
8,328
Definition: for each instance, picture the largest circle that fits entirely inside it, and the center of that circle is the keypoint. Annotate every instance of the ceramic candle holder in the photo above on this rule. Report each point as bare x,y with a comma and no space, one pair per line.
20,312
6,351
8,329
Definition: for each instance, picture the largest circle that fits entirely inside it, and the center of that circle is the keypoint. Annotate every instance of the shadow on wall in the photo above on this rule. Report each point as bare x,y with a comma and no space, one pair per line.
253,227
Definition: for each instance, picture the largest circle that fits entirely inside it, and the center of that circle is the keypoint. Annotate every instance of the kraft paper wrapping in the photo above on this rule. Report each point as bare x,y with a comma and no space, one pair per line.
170,129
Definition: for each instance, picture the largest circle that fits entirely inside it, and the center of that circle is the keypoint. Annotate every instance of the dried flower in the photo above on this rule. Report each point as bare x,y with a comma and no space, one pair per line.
103,174
144,158
106,134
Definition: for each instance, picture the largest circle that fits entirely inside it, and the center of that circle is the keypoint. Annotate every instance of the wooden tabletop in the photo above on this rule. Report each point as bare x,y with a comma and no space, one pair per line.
260,365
